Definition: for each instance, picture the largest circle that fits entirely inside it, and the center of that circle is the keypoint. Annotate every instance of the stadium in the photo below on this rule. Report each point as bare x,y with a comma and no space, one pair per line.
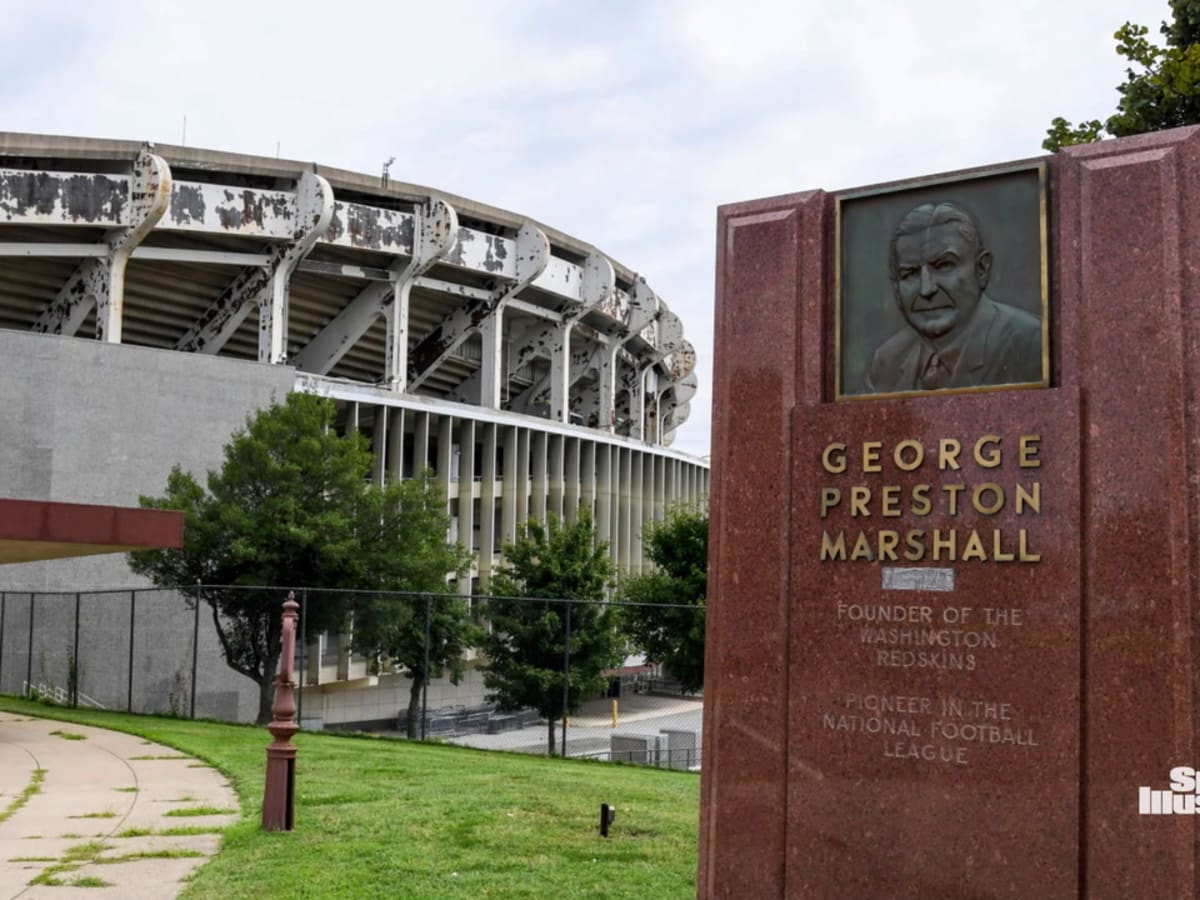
152,297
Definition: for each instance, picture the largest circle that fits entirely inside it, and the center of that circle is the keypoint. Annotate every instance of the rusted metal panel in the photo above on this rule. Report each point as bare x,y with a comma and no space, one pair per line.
216,208
670,332
615,306
562,278
371,228
685,388
490,253
63,198
643,307
681,363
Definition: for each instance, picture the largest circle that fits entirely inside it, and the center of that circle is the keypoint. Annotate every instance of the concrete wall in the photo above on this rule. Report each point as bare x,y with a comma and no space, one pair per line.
87,422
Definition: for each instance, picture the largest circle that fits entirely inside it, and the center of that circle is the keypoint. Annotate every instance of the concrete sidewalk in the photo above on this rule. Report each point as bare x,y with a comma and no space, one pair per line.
86,812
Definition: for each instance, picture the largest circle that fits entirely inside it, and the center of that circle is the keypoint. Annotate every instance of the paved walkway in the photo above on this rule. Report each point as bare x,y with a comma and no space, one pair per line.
86,812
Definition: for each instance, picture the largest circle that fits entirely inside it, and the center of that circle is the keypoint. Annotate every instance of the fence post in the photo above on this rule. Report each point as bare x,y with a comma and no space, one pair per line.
195,650
73,673
3,603
303,657
29,654
566,677
425,686
132,626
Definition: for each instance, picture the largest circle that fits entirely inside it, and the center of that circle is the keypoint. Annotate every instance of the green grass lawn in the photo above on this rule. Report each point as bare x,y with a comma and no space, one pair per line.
381,818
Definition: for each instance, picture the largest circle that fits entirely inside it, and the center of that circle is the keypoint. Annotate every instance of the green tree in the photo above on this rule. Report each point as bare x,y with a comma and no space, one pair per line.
669,625
291,505
1161,87
525,648
395,627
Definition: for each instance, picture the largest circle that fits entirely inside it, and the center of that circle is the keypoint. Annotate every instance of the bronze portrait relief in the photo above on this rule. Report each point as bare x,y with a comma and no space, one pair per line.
922,316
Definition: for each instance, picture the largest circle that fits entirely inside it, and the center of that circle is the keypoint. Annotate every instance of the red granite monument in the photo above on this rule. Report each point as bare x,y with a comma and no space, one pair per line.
955,535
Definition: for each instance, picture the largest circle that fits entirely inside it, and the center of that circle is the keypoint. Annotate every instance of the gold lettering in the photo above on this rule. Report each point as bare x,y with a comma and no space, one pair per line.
948,544
1027,451
914,546
997,498
833,458
859,498
999,555
915,462
862,548
833,549
830,497
888,542
1032,499
953,491
889,505
974,548
870,460
920,505
991,459
1023,553
948,450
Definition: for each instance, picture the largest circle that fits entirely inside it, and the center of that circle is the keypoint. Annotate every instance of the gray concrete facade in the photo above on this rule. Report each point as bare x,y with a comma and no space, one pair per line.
85,421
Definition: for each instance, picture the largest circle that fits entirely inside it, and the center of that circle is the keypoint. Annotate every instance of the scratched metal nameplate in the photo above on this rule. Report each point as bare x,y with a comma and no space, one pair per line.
898,579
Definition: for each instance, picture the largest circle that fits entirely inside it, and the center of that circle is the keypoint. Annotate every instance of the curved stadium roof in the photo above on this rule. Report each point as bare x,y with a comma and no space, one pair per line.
344,275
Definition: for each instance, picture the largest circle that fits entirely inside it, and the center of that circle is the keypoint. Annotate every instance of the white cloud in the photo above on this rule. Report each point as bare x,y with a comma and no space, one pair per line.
623,123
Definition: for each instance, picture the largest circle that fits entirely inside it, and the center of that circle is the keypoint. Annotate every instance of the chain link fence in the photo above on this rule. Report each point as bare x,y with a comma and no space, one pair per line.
181,652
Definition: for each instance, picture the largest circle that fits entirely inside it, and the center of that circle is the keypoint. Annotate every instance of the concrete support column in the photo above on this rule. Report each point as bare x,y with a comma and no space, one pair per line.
522,498
624,484
466,486
587,478
571,494
421,442
637,405
510,487
608,389
560,375
150,195
491,360
379,446
556,464
538,454
314,212
605,505
661,467
395,444
487,505
445,442
637,508
434,237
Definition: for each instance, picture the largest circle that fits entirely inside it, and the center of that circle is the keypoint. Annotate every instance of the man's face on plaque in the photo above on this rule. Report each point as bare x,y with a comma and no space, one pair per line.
939,277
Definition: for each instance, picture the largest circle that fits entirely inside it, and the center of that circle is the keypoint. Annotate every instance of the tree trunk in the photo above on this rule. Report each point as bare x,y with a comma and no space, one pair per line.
550,737
412,725
266,696
266,686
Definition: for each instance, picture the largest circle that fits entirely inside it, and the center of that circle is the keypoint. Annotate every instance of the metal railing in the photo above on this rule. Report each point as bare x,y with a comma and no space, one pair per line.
164,651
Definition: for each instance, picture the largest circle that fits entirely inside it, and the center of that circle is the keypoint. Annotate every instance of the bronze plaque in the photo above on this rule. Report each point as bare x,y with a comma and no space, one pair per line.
942,286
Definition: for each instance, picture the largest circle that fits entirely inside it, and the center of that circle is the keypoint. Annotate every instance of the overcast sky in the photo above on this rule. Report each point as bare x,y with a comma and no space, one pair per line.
622,123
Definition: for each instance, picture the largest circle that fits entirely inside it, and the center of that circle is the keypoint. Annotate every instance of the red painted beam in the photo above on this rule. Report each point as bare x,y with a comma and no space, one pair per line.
38,529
